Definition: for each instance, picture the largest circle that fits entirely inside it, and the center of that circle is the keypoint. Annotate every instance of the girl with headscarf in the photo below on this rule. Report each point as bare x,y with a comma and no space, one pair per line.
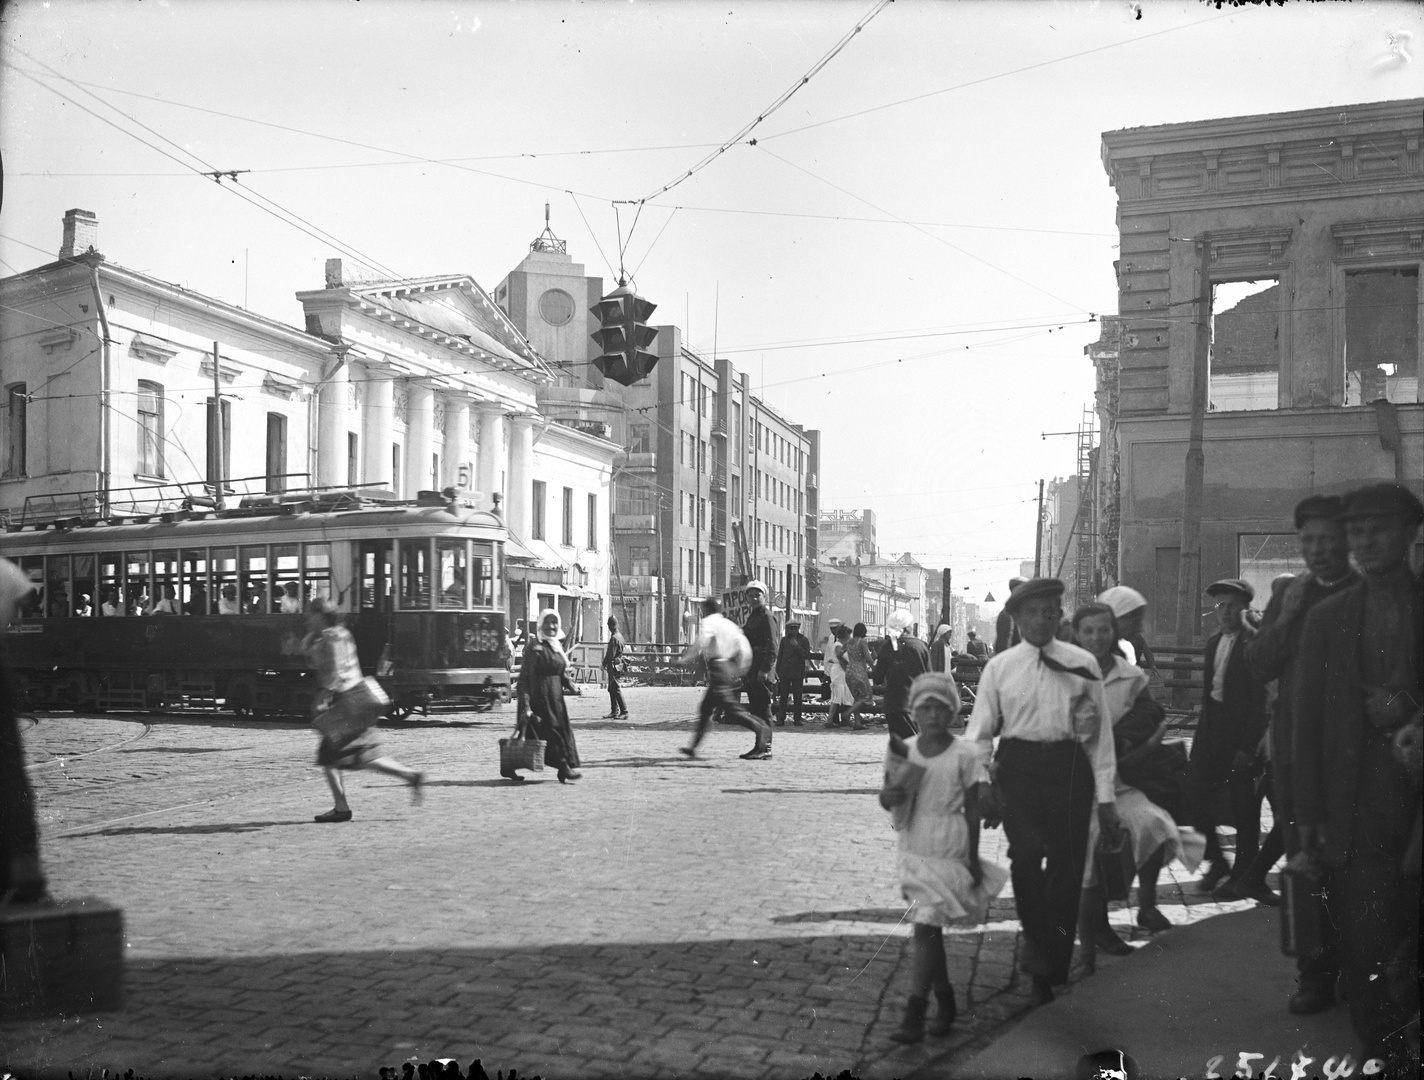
543,681
858,663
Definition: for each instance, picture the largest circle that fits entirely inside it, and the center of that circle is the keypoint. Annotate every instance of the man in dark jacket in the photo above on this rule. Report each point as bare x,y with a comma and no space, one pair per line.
1006,634
1272,655
976,648
791,671
1233,720
761,635
1358,689
613,665
901,659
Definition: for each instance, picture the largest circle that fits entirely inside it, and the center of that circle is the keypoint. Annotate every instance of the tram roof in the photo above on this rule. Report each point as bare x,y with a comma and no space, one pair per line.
277,524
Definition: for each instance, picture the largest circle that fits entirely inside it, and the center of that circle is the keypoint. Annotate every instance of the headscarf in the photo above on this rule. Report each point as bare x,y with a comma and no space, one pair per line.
935,685
551,637
900,619
1122,599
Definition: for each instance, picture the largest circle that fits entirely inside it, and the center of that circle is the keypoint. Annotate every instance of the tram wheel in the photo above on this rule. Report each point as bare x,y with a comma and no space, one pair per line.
400,710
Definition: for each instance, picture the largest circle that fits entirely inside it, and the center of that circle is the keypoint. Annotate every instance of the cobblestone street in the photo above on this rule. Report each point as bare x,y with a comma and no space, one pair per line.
660,917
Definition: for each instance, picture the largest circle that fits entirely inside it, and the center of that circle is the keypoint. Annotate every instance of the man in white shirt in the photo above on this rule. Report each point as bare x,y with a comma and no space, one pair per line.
728,656
1043,699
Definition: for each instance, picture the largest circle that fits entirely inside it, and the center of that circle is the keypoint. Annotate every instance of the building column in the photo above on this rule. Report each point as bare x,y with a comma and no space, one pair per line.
377,428
333,418
521,475
489,478
457,442
419,439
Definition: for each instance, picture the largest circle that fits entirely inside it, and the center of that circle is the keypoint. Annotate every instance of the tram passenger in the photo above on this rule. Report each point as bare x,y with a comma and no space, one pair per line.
59,603
227,602
110,606
86,605
291,599
332,650
169,604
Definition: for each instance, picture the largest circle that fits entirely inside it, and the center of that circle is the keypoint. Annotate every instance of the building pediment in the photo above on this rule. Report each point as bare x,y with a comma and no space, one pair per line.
155,352
1389,238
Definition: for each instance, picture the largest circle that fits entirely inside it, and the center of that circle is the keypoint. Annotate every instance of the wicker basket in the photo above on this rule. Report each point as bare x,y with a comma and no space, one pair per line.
517,753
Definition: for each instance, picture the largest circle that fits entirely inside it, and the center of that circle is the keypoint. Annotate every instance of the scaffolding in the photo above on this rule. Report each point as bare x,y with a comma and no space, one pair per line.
1085,581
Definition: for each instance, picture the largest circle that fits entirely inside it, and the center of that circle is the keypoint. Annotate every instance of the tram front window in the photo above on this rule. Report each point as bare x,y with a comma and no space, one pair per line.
453,556
415,575
483,565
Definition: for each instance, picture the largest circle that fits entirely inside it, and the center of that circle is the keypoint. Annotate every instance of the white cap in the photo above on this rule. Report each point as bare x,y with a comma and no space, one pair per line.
899,619
1122,599
760,586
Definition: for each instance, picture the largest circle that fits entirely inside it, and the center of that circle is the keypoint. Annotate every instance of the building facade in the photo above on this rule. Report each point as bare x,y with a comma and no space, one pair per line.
1309,229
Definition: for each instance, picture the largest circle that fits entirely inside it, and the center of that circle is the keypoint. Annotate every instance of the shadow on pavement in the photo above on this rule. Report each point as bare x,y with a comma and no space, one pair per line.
185,830
801,791
882,915
501,782
727,1008
679,762
182,749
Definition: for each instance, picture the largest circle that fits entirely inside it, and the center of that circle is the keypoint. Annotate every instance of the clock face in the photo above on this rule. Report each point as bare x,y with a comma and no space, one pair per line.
556,307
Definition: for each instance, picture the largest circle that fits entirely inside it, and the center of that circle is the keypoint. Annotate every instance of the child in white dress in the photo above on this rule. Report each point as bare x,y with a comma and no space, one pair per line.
938,861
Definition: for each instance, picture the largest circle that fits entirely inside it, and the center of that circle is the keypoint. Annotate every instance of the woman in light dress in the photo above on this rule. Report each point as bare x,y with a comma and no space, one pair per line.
1152,834
842,700
858,662
936,811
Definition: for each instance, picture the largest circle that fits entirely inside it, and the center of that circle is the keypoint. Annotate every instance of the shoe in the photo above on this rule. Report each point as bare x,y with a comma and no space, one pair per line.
566,774
687,752
1041,992
417,789
333,815
756,753
1309,1000
857,727
1213,877
612,716
1107,941
944,1020
798,722
780,722
1152,920
912,1026
511,776
622,716
1262,893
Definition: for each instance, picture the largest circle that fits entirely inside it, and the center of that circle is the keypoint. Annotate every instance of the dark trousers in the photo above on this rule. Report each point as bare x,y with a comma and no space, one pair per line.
1317,972
720,702
1245,815
759,695
616,704
899,722
791,687
1047,791
1379,906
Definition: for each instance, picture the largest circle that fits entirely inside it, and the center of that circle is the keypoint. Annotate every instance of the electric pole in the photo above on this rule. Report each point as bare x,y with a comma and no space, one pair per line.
1189,561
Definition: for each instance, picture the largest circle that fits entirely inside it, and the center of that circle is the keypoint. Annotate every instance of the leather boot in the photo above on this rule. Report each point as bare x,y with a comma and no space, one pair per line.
944,1020
912,1027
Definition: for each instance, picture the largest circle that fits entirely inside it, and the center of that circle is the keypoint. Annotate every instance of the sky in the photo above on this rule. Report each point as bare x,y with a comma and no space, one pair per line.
910,258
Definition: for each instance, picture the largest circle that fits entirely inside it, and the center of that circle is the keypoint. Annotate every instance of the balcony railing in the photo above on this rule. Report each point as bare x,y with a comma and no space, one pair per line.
719,428
640,523
638,461
719,478
642,584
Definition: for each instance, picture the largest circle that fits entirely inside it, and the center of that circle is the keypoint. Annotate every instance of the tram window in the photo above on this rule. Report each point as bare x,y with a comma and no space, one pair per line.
287,579
165,584
111,584
33,605
318,572
193,593
139,597
454,557
376,576
57,587
84,585
224,563
415,575
256,595
483,566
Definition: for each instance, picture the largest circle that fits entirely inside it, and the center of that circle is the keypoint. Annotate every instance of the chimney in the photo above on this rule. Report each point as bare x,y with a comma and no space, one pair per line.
333,273
81,233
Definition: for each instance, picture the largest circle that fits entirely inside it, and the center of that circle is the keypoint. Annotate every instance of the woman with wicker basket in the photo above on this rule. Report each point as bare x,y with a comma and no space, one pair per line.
353,704
543,681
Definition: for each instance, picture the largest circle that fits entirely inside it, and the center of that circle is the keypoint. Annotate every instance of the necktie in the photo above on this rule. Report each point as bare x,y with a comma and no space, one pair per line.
1054,665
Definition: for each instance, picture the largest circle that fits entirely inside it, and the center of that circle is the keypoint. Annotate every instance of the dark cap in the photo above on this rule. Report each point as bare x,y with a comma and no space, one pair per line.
1329,507
1231,585
1384,500
793,625
1032,589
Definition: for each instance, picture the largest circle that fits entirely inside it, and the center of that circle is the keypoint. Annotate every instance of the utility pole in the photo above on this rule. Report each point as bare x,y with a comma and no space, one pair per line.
219,480
789,616
946,605
1189,561
1038,536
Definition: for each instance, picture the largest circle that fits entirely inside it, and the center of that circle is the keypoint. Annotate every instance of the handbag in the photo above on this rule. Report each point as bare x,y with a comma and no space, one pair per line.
1108,860
520,751
352,711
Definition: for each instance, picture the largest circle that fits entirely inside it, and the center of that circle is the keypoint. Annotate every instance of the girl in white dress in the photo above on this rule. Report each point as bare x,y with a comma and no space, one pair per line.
842,699
932,790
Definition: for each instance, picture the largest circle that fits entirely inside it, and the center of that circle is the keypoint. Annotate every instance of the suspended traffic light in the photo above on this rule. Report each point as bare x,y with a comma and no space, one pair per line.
624,336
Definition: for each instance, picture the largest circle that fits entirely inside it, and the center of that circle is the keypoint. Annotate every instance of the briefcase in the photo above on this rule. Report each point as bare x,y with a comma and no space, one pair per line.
1303,912
1110,863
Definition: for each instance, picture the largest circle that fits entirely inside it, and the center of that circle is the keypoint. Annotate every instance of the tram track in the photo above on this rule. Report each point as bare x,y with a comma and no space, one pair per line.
60,759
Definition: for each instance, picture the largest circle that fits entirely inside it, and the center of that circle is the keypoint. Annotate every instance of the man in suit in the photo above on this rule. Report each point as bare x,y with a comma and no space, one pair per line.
901,659
761,635
1272,654
1358,689
791,660
613,665
1233,720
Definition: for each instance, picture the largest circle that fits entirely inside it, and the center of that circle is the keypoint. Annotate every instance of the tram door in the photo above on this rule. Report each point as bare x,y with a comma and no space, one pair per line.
375,592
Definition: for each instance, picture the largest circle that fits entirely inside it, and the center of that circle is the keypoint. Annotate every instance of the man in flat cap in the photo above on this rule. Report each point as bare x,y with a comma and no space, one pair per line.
1272,655
1004,633
791,660
1043,699
1358,689
1229,732
762,636
902,658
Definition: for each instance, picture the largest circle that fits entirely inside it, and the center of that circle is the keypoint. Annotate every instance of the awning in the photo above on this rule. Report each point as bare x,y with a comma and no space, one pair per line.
514,550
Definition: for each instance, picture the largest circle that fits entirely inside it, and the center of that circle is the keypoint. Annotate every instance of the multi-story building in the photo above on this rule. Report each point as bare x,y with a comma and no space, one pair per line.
857,582
111,376
713,485
1307,228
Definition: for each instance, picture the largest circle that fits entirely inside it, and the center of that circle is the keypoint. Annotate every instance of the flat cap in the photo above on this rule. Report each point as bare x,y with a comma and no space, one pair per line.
1231,585
793,625
759,586
1329,507
1384,500
1032,589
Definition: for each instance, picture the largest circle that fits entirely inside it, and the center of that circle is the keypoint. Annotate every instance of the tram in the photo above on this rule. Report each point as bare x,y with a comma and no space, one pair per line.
205,607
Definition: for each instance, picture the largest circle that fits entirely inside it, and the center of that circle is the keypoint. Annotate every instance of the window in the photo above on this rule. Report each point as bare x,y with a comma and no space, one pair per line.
276,452
568,529
1263,557
536,511
705,397
681,511
396,484
220,466
1381,335
57,589
225,599
640,439
16,406
639,561
434,472
701,570
1245,356
702,456
316,571
452,557
482,565
702,513
414,575
592,544
353,458
150,429
736,494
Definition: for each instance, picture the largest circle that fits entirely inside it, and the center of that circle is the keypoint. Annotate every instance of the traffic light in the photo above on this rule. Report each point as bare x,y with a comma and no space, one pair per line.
624,336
